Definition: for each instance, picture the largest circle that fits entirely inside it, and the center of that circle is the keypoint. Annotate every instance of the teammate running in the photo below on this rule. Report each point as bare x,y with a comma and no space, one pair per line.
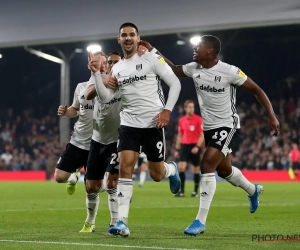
216,83
143,117
103,151
75,156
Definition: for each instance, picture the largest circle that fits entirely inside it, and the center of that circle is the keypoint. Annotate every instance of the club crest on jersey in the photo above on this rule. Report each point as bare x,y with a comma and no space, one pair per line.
217,79
139,66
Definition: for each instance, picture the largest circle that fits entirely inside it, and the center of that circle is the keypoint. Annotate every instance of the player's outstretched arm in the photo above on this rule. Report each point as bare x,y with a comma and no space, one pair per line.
72,111
261,96
163,70
177,69
64,110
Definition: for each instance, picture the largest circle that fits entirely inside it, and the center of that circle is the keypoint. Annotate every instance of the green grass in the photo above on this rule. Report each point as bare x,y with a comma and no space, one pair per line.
41,213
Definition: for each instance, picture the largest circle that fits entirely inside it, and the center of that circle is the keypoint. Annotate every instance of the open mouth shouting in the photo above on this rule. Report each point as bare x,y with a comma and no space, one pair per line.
128,44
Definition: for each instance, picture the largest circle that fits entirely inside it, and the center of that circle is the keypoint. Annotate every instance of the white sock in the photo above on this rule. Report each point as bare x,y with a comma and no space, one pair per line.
72,179
207,190
170,169
104,184
236,178
142,177
92,205
124,190
113,205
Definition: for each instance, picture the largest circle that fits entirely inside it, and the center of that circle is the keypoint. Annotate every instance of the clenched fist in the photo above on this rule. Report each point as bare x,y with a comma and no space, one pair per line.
62,110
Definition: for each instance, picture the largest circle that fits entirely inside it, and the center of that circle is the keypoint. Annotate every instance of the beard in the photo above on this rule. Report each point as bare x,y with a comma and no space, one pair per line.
129,50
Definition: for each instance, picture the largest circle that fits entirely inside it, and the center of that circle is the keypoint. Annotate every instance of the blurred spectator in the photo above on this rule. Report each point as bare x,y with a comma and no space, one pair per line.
3,165
29,140
50,165
7,156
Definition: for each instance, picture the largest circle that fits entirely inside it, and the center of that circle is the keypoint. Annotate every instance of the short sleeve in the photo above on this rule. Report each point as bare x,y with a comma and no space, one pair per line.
188,69
237,77
76,97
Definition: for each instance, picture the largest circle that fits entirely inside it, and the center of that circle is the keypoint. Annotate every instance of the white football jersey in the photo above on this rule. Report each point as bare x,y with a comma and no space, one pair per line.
216,90
83,128
140,86
106,118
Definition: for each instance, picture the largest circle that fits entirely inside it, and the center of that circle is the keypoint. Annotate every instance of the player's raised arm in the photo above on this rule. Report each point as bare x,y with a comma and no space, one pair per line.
109,82
103,93
164,71
177,69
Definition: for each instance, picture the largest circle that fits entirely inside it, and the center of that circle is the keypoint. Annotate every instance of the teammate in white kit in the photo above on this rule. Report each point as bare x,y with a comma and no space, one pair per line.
143,117
103,149
75,156
142,164
216,83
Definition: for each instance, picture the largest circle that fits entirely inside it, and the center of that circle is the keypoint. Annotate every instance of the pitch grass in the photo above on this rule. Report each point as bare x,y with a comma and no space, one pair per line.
38,214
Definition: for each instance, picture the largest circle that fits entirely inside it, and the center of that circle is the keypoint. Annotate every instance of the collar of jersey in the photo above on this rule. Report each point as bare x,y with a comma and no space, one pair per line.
131,58
200,66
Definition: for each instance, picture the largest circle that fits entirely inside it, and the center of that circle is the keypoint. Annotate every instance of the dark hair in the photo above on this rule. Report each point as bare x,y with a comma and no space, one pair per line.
128,25
187,102
114,53
212,42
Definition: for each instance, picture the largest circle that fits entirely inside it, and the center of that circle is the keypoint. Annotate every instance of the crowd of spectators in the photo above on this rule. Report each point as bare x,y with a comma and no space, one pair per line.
29,140
257,148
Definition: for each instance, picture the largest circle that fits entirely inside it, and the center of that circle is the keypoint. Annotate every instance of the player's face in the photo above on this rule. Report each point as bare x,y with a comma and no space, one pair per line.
200,52
128,39
103,68
111,61
190,109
